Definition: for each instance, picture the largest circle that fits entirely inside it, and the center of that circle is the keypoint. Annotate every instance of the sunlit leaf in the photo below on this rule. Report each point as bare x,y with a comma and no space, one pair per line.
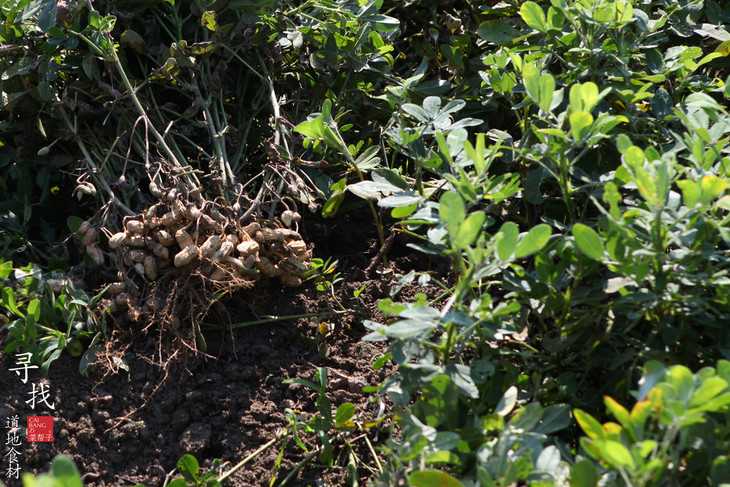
534,16
588,241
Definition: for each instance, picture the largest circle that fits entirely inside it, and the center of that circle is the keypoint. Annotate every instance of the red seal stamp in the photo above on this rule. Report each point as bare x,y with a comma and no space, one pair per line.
40,428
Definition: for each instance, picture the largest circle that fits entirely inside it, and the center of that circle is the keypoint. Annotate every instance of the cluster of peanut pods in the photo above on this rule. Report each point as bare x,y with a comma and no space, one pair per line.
203,237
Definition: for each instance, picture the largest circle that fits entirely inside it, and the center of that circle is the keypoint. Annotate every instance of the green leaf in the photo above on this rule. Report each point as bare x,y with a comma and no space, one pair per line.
580,125
634,156
712,187
65,472
703,100
615,453
534,16
584,474
433,478
498,31
506,245
583,97
189,467
540,88
554,418
403,211
618,411
8,301
589,425
344,413
470,229
34,310
409,328
209,20
681,380
555,18
690,192
5,269
534,241
47,17
709,389
652,374
588,241
647,187
73,223
507,402
452,212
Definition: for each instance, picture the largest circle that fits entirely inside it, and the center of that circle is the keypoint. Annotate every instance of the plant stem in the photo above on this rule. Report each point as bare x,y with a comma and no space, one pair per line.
274,319
299,467
243,462
94,169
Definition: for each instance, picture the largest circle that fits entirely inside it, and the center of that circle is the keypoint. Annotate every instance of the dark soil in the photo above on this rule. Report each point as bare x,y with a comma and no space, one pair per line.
132,427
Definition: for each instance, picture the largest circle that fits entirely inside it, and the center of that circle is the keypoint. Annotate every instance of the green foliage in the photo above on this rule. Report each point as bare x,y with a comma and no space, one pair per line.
63,473
570,159
47,314
672,435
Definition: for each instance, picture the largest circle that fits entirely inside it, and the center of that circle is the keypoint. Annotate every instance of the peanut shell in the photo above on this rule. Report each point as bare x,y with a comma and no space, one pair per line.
90,236
183,239
267,267
96,254
135,227
117,287
210,246
150,266
223,252
279,234
248,247
291,281
164,237
186,255
136,241
117,240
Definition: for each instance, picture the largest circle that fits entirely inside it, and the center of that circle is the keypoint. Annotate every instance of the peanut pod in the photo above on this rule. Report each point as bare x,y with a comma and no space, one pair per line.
186,255
290,265
183,239
158,249
291,281
139,267
121,299
210,246
164,237
289,217
223,252
56,285
217,274
135,227
210,224
136,241
136,255
117,287
150,266
191,212
90,236
84,227
117,240
248,247
280,234
267,267
250,229
96,254
298,247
